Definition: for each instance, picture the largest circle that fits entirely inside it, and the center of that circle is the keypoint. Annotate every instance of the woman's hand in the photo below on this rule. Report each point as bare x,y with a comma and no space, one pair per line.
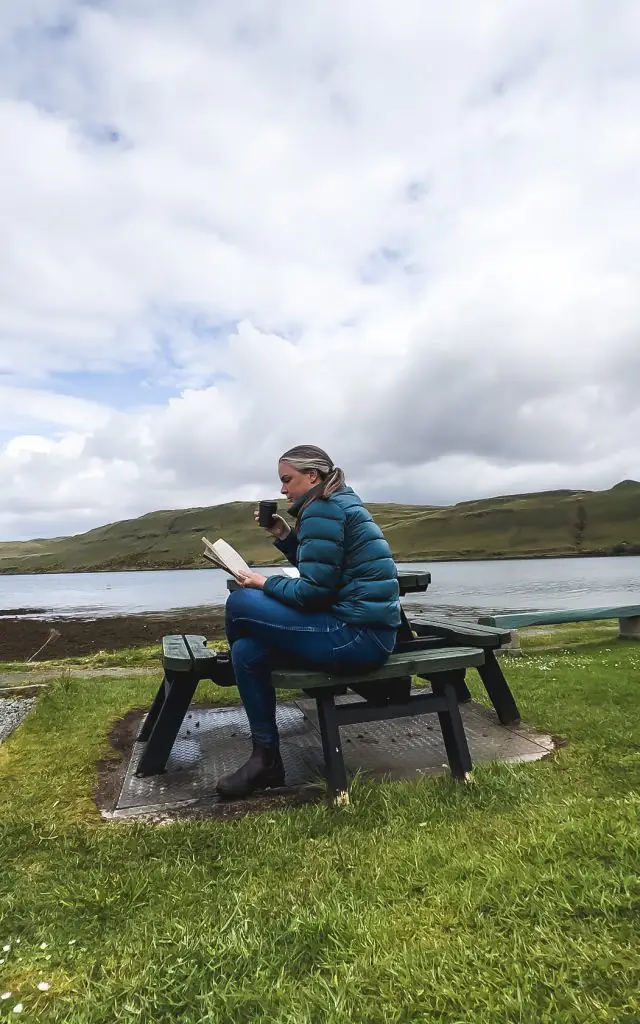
279,528
251,580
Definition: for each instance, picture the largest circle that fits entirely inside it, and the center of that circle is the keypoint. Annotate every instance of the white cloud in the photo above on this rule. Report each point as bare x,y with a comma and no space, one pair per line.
406,233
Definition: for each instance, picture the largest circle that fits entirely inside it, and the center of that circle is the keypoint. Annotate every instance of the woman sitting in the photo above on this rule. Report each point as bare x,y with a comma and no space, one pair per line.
340,615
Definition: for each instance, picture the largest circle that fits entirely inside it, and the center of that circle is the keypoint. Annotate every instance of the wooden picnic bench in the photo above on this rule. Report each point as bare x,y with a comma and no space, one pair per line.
386,692
187,659
628,616
449,632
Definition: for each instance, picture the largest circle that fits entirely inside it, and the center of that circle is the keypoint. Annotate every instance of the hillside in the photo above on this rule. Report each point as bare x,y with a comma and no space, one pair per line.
545,524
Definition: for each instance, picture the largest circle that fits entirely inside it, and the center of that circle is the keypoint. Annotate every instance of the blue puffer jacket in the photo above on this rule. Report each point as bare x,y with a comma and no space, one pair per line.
346,566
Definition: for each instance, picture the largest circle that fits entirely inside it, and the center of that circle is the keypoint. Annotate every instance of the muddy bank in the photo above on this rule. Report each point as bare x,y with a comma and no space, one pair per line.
20,638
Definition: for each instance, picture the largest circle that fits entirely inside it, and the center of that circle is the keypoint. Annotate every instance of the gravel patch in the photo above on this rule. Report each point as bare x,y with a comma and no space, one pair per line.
13,711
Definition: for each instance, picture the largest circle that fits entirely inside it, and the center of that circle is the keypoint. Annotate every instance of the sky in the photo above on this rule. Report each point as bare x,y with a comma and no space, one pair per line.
404,231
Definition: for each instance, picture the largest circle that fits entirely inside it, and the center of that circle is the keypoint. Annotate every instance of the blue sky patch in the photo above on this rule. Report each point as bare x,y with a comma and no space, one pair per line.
121,391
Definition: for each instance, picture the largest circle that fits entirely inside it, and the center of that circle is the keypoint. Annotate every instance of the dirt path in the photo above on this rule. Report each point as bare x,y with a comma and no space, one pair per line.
37,677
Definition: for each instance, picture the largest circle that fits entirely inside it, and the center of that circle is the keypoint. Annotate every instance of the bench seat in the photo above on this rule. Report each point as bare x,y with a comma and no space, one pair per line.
413,663
628,615
488,639
460,631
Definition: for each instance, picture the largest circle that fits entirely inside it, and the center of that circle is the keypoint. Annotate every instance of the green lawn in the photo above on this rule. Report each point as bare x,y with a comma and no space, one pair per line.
513,899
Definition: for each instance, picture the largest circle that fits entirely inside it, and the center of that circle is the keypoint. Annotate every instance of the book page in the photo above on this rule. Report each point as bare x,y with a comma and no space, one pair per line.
212,558
227,557
210,554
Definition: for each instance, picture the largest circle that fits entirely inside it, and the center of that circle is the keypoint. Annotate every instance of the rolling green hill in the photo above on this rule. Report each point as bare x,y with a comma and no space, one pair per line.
549,523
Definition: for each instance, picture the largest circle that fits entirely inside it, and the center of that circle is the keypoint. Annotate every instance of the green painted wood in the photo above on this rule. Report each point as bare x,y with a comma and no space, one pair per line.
555,618
409,663
410,583
180,652
413,582
468,634
175,653
198,647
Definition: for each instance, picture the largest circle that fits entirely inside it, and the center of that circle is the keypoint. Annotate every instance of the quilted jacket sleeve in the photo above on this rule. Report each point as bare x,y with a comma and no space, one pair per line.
289,547
320,554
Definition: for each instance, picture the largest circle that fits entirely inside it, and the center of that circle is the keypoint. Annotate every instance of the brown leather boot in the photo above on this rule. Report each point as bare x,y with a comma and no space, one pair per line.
263,769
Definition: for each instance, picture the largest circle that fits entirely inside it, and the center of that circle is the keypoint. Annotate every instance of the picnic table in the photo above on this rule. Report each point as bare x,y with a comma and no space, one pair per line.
435,650
386,693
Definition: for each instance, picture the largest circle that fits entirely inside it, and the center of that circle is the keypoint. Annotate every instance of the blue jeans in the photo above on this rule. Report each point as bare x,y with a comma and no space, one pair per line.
261,631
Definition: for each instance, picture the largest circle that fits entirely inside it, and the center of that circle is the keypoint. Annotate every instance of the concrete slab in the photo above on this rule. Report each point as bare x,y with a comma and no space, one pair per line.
214,741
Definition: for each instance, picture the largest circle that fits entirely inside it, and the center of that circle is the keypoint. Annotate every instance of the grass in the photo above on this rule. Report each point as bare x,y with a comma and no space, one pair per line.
514,899
569,635
547,523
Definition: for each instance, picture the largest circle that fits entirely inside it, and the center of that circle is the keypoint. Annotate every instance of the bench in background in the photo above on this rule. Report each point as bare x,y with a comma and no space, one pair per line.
187,660
628,616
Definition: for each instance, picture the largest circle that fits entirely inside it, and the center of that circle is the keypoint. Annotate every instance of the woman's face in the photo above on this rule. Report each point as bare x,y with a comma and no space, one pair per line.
296,482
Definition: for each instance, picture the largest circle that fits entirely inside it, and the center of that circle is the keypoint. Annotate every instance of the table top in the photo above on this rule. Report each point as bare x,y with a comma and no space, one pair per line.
410,582
413,582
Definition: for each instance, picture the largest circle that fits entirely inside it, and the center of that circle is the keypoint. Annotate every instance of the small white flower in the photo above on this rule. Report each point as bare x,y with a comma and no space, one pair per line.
72,941
6,995
18,1008
5,949
44,986
43,945
2,961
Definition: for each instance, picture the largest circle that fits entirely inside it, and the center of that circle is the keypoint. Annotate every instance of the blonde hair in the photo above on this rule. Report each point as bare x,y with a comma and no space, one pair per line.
308,456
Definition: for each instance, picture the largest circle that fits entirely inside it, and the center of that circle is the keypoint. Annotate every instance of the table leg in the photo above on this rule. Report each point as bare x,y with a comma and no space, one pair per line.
332,749
154,711
462,690
405,631
453,734
498,689
167,725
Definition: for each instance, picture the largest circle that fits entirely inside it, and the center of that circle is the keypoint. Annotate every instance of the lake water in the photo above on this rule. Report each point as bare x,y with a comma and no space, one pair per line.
482,587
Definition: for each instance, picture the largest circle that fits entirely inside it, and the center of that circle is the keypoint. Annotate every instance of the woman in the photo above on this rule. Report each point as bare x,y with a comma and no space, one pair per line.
341,614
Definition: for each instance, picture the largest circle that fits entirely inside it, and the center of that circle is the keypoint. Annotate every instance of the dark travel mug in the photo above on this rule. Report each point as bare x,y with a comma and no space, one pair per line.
266,512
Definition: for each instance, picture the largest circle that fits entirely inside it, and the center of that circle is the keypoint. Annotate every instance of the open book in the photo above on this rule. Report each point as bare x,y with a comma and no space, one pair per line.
227,558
